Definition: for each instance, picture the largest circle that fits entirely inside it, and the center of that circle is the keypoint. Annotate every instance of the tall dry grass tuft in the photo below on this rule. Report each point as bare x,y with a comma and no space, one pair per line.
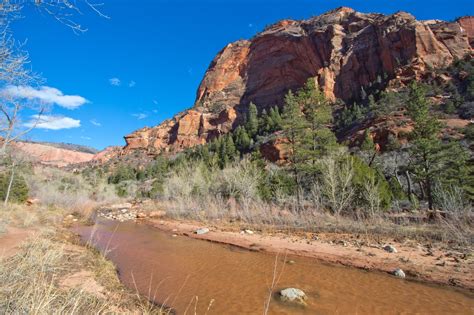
31,281
28,283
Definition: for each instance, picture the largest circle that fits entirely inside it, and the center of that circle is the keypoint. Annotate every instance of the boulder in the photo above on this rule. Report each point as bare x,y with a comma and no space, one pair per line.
293,295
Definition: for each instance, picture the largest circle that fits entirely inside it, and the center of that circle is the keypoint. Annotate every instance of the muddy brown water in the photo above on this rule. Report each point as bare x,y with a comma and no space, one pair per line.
193,276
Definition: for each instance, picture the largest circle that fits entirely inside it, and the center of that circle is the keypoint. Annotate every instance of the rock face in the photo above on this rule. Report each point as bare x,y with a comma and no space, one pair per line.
343,50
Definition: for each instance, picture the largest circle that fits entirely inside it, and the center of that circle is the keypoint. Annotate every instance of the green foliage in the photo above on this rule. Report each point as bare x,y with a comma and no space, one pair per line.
363,174
269,122
251,124
19,189
432,161
397,190
242,139
350,116
468,132
122,173
368,144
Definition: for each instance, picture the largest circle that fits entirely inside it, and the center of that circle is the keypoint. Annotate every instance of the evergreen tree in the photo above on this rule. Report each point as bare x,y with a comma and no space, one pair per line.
231,151
223,158
251,124
318,139
266,123
432,161
294,127
242,139
276,119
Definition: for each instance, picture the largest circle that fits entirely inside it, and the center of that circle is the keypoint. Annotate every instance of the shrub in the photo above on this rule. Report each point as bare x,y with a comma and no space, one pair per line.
364,174
19,190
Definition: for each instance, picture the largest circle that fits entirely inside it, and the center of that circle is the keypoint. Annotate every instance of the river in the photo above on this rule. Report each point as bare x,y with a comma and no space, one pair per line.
191,275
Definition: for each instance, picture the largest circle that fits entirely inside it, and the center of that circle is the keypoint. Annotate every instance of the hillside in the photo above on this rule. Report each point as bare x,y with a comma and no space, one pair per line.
346,52
54,155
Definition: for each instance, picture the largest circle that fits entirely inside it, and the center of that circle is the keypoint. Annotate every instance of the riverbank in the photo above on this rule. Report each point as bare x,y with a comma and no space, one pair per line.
45,268
426,262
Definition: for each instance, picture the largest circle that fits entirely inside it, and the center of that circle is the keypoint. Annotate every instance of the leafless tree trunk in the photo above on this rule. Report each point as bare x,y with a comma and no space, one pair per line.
10,184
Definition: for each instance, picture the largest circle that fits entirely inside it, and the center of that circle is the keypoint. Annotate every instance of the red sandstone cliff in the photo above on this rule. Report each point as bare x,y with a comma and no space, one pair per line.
343,50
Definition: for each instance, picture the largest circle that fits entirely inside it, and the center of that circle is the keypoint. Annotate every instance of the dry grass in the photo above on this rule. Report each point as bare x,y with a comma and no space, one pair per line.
57,188
262,215
30,281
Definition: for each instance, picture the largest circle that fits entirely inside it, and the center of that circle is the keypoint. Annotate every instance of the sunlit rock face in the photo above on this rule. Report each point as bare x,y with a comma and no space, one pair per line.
343,50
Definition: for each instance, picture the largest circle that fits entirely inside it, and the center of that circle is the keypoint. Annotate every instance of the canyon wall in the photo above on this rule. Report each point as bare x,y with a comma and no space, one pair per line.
343,50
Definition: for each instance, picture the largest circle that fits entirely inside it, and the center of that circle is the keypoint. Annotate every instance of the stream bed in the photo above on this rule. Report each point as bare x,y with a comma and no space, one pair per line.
193,276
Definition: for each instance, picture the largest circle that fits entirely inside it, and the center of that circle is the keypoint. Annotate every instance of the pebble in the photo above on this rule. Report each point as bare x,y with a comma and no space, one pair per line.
390,249
399,273
202,231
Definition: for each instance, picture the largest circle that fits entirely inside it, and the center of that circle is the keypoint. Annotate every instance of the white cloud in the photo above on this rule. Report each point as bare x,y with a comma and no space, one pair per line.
95,123
155,102
140,116
155,111
46,94
52,122
115,81
132,83
86,138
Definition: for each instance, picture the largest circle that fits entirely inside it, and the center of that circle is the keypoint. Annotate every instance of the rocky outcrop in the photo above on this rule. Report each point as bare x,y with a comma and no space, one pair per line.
187,129
343,50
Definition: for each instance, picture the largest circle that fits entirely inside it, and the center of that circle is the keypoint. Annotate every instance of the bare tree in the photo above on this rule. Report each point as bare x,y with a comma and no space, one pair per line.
14,70
337,172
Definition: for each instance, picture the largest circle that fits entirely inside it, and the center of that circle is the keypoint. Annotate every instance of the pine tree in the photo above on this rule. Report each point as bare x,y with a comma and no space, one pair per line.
318,139
242,139
251,124
276,119
265,123
223,158
294,127
231,151
432,161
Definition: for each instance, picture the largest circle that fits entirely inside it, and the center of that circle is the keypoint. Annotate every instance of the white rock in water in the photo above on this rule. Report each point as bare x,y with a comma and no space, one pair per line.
293,295
390,249
399,273
202,231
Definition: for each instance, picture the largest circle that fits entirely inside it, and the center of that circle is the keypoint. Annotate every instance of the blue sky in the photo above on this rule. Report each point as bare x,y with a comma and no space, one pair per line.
158,51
